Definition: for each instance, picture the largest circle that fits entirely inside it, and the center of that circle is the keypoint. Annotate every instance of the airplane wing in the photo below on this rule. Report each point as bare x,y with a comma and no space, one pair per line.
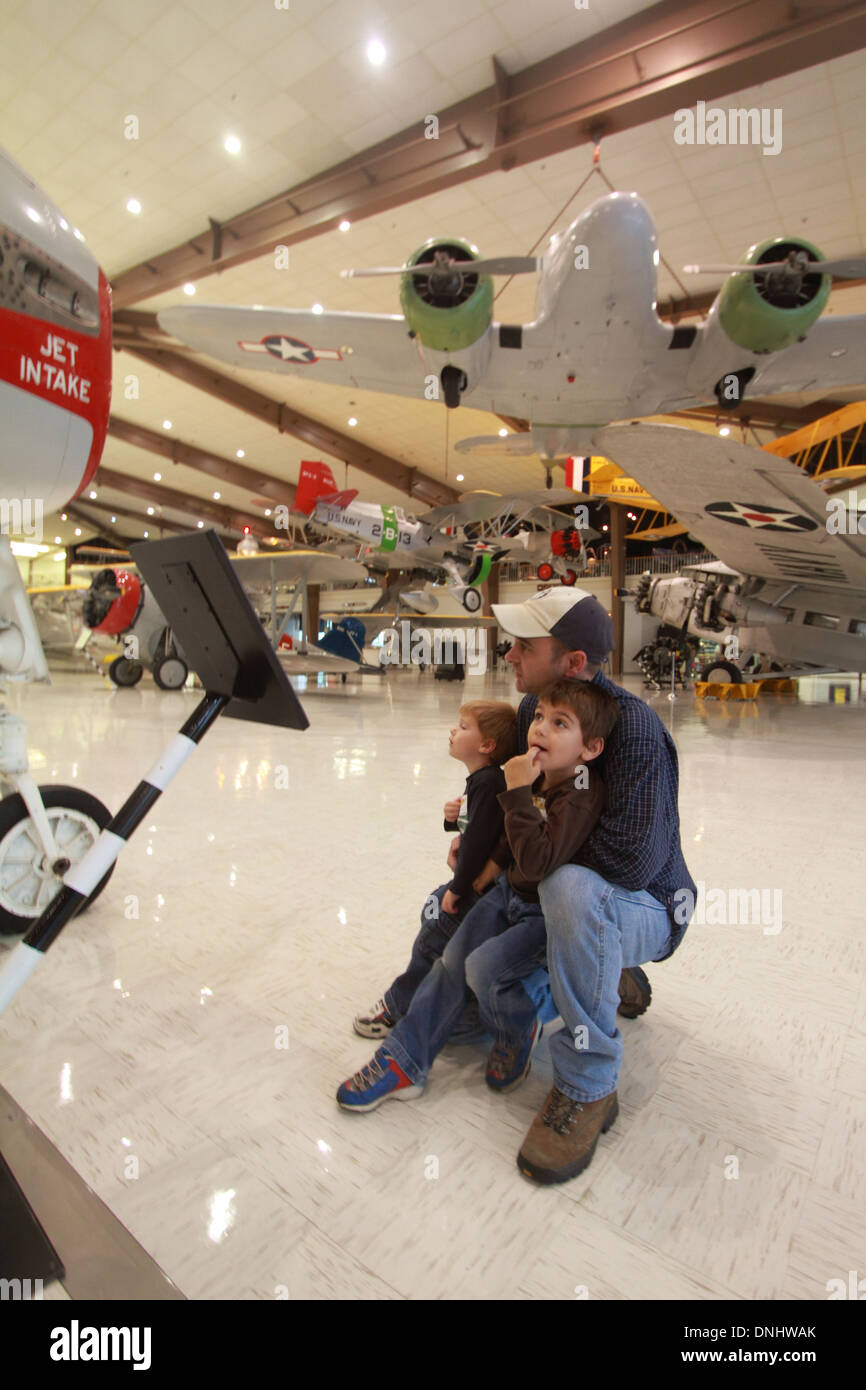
369,351
760,514
293,566
480,506
833,353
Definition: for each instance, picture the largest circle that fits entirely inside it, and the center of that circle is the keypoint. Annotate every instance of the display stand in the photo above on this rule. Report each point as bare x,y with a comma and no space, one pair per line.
204,603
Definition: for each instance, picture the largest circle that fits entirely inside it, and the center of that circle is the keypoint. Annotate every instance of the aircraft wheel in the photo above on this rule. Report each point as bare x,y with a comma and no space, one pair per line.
723,672
453,384
545,571
471,600
125,672
569,578
170,672
27,884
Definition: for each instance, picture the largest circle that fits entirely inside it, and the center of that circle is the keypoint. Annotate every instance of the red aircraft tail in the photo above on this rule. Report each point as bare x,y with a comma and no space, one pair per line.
316,483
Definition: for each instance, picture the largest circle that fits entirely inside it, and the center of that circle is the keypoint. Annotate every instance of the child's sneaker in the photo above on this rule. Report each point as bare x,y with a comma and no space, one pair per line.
381,1079
377,1022
509,1063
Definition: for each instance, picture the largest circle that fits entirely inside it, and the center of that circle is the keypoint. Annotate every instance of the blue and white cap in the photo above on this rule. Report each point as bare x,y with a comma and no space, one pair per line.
573,616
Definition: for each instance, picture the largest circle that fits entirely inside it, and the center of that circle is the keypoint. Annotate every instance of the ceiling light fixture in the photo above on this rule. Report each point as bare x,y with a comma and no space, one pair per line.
376,52
157,477
166,424
344,225
232,144
239,453
133,206
189,287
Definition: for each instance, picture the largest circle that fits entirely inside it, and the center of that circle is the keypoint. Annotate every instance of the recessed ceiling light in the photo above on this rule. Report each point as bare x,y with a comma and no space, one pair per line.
114,518
239,453
57,540
267,511
189,287
78,530
157,477
146,535
133,205
216,496
63,516
317,309
724,430
200,524
166,424
503,433
344,225
92,496
352,420
460,477
376,52
150,511
232,144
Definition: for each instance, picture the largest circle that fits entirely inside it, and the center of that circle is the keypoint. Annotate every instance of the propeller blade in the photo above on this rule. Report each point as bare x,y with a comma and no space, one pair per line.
851,268
494,265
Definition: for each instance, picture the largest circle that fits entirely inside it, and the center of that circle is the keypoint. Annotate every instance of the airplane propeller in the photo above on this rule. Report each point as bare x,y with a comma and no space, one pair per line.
796,264
442,265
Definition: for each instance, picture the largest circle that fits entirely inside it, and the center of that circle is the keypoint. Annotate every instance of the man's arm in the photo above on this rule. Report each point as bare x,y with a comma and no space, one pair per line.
632,841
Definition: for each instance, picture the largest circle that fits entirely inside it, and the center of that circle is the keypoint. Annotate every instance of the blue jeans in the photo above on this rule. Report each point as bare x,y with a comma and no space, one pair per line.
437,929
501,936
594,929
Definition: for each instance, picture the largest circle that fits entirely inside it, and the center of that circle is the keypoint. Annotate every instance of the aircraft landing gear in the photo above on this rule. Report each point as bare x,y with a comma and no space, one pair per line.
545,571
471,600
31,872
722,672
453,385
124,672
170,672
569,578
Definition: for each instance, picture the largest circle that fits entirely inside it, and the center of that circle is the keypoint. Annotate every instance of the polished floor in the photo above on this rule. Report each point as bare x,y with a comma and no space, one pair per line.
182,1042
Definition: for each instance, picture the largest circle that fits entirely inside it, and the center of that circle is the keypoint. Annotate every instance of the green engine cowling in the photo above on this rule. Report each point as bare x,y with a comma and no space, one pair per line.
762,317
447,312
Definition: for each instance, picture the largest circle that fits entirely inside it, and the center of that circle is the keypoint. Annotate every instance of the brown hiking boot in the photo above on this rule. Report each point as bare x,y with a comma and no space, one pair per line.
562,1138
635,992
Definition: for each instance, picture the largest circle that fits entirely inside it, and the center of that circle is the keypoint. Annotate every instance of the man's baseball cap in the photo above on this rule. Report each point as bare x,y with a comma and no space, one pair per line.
573,616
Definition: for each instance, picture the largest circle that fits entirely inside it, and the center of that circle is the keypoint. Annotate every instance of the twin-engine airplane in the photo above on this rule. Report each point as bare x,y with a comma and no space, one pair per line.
790,580
596,350
437,540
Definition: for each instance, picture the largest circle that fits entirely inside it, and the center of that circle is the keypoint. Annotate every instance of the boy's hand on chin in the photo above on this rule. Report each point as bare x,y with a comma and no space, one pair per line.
521,771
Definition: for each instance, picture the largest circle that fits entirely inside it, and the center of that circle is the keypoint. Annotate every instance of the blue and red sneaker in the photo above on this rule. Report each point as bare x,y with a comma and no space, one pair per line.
380,1080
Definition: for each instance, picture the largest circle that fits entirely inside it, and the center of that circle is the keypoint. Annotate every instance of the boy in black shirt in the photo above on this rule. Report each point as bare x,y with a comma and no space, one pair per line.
483,738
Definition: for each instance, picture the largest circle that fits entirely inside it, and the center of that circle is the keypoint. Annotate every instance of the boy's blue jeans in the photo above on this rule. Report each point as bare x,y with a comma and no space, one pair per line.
499,943
437,929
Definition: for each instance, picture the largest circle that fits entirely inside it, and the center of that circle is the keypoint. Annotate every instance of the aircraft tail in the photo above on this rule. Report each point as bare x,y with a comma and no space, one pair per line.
316,481
346,639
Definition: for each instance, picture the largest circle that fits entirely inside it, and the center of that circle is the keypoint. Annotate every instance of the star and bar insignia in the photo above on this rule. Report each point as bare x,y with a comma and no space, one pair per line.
291,349
760,518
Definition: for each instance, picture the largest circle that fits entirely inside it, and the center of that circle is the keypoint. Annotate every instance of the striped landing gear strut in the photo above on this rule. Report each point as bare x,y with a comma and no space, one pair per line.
80,881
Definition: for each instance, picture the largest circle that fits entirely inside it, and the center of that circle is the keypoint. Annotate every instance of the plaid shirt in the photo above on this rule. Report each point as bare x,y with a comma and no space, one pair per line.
636,844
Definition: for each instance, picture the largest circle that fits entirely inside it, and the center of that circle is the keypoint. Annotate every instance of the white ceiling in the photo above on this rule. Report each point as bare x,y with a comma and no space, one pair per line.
295,86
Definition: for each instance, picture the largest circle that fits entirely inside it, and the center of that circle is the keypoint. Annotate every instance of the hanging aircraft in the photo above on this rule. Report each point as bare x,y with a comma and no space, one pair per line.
596,350
788,591
437,540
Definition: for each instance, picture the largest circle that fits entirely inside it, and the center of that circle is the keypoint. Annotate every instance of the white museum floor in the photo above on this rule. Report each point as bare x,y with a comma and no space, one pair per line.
735,1168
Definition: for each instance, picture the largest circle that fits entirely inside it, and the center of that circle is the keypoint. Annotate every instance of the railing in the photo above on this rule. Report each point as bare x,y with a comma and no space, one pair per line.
514,572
